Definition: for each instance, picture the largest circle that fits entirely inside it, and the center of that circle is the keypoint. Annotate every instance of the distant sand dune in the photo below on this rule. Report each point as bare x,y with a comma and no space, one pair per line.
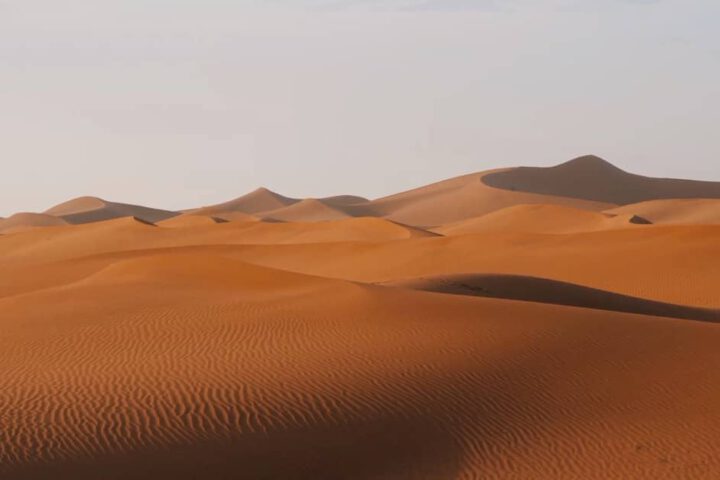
541,219
462,198
91,209
539,335
308,210
675,211
25,221
594,179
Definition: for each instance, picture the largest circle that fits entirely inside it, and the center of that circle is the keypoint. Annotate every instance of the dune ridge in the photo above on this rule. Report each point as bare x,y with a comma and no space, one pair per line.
542,290
458,331
91,209
592,178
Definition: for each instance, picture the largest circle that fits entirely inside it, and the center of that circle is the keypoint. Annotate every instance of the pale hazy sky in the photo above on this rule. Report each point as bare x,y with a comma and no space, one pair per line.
178,103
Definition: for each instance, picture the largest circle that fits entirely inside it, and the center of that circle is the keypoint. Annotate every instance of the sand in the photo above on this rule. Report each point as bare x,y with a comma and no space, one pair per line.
542,219
529,335
26,221
674,211
91,209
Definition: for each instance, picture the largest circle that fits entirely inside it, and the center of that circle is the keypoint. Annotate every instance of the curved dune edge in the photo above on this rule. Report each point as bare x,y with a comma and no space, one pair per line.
675,211
543,290
541,218
591,178
156,373
91,210
24,221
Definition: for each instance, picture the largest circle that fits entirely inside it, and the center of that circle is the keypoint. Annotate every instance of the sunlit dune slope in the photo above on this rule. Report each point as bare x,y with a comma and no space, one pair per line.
462,198
257,201
25,221
91,209
541,219
469,329
187,366
308,210
132,234
188,220
694,211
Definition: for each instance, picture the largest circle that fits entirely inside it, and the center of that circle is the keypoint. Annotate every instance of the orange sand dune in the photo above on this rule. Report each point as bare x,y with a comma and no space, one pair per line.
91,209
126,234
197,366
462,198
529,336
25,221
187,220
308,210
697,211
594,179
651,262
257,201
541,219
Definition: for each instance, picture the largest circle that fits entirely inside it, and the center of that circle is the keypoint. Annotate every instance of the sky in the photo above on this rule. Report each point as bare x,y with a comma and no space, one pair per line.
181,103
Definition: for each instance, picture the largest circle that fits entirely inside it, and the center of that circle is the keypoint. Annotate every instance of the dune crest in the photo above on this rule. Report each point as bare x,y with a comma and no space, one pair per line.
25,221
594,179
541,219
461,330
698,211
542,290
92,209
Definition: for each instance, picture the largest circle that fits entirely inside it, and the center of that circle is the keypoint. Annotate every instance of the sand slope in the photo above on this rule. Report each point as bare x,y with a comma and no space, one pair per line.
25,221
530,336
533,289
462,198
308,210
235,371
187,220
257,201
674,211
91,209
594,179
541,219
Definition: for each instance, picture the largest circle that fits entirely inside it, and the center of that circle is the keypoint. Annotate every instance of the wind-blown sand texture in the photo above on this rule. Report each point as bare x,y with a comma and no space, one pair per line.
529,335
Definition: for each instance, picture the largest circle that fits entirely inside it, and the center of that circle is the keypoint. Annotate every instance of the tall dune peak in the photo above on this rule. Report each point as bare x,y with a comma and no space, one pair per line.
74,205
589,163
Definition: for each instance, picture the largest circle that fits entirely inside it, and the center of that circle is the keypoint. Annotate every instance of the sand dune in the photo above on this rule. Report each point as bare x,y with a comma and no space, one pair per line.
147,382
529,336
675,211
190,220
91,209
532,289
462,198
127,234
308,210
25,221
541,219
257,201
594,179
650,262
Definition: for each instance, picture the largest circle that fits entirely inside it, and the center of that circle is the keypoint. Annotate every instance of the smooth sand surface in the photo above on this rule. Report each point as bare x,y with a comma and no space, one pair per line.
26,221
530,336
91,209
542,219
699,211
308,210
